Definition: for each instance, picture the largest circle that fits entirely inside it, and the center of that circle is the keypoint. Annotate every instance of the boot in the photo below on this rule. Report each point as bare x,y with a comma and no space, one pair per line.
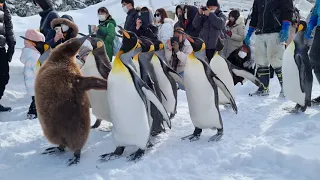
4,109
32,113
271,72
278,72
263,74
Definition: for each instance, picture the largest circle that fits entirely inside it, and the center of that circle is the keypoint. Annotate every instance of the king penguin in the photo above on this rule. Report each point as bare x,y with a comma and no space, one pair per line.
201,86
297,72
43,48
61,99
224,70
167,79
98,64
128,96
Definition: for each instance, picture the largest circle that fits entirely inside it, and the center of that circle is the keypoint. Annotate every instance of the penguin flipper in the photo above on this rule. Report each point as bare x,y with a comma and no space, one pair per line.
302,71
87,83
245,74
155,100
226,92
177,77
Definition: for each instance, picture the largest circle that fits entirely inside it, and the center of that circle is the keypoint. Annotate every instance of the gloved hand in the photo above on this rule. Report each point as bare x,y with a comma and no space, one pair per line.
248,36
10,53
284,33
312,23
229,33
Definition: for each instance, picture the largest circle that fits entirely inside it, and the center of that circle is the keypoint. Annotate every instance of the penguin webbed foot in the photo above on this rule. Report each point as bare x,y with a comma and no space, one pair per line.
75,159
296,109
112,156
194,136
96,124
136,156
218,136
55,150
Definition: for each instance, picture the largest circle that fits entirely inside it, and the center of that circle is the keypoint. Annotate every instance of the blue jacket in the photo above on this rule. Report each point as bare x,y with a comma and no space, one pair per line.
46,17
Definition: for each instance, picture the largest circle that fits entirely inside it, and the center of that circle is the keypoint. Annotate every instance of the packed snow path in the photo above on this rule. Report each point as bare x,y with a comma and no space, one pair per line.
261,142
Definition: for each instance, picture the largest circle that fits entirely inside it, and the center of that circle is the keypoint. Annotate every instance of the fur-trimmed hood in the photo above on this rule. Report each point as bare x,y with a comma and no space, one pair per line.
67,22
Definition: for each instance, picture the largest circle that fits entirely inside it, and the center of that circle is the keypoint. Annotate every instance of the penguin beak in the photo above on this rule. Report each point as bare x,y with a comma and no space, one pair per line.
33,43
124,32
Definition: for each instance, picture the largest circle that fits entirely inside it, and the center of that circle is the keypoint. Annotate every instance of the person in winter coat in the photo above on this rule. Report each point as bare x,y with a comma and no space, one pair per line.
190,13
314,53
181,18
178,51
241,57
235,33
144,26
6,38
47,15
29,58
211,22
106,30
62,29
165,25
271,21
132,14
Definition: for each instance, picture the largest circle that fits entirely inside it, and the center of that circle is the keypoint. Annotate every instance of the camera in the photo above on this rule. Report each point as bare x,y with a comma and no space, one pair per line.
204,8
174,39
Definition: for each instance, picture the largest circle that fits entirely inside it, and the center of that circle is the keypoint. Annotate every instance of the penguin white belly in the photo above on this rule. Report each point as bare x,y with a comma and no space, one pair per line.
128,112
200,96
220,68
98,99
169,100
291,79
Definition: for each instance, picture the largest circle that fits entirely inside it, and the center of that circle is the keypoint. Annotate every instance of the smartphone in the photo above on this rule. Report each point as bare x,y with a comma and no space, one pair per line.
174,39
204,8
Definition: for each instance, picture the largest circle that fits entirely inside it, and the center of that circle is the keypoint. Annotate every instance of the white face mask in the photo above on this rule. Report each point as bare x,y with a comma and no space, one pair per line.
125,9
242,54
102,17
158,18
64,28
185,16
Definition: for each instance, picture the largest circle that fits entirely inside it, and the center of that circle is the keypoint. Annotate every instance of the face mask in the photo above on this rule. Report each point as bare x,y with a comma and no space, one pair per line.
185,16
125,9
102,17
242,54
158,18
213,11
64,28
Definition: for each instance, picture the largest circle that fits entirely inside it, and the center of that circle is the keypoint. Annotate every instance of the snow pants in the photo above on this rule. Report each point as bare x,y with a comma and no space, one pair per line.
268,50
4,71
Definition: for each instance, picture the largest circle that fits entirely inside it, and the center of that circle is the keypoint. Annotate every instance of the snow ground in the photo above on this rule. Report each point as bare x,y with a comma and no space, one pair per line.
261,142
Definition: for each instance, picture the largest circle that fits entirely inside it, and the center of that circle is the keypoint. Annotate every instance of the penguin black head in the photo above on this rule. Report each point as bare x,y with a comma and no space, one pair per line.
96,43
302,27
42,47
158,45
196,43
71,47
220,45
146,44
129,40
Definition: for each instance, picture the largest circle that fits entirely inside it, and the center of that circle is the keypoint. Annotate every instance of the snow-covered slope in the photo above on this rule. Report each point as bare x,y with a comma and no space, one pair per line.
261,142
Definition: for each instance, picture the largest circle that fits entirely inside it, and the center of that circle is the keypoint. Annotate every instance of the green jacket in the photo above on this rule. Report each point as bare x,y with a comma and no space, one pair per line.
107,33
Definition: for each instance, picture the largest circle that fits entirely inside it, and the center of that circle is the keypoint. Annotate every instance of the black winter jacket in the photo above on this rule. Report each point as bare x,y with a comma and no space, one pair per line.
6,31
131,19
267,15
46,17
191,14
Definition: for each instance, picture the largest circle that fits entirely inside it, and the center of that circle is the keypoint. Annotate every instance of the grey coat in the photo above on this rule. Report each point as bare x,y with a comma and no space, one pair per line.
210,27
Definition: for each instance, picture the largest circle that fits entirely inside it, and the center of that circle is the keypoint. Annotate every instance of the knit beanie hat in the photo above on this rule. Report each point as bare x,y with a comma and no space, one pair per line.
44,4
33,35
212,3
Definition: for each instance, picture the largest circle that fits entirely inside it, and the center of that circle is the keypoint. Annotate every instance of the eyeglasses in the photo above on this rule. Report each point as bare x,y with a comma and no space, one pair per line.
156,15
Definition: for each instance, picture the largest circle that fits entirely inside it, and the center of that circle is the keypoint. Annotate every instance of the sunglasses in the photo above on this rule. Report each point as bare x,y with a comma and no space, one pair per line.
156,15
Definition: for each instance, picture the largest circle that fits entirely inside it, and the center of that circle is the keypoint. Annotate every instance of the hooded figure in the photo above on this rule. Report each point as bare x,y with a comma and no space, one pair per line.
180,15
190,13
47,15
68,28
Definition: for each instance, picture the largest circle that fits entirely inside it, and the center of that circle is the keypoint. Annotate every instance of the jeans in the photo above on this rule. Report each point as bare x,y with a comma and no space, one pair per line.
179,85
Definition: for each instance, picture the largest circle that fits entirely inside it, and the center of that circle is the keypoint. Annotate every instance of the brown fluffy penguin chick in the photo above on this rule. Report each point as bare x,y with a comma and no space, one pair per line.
61,99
